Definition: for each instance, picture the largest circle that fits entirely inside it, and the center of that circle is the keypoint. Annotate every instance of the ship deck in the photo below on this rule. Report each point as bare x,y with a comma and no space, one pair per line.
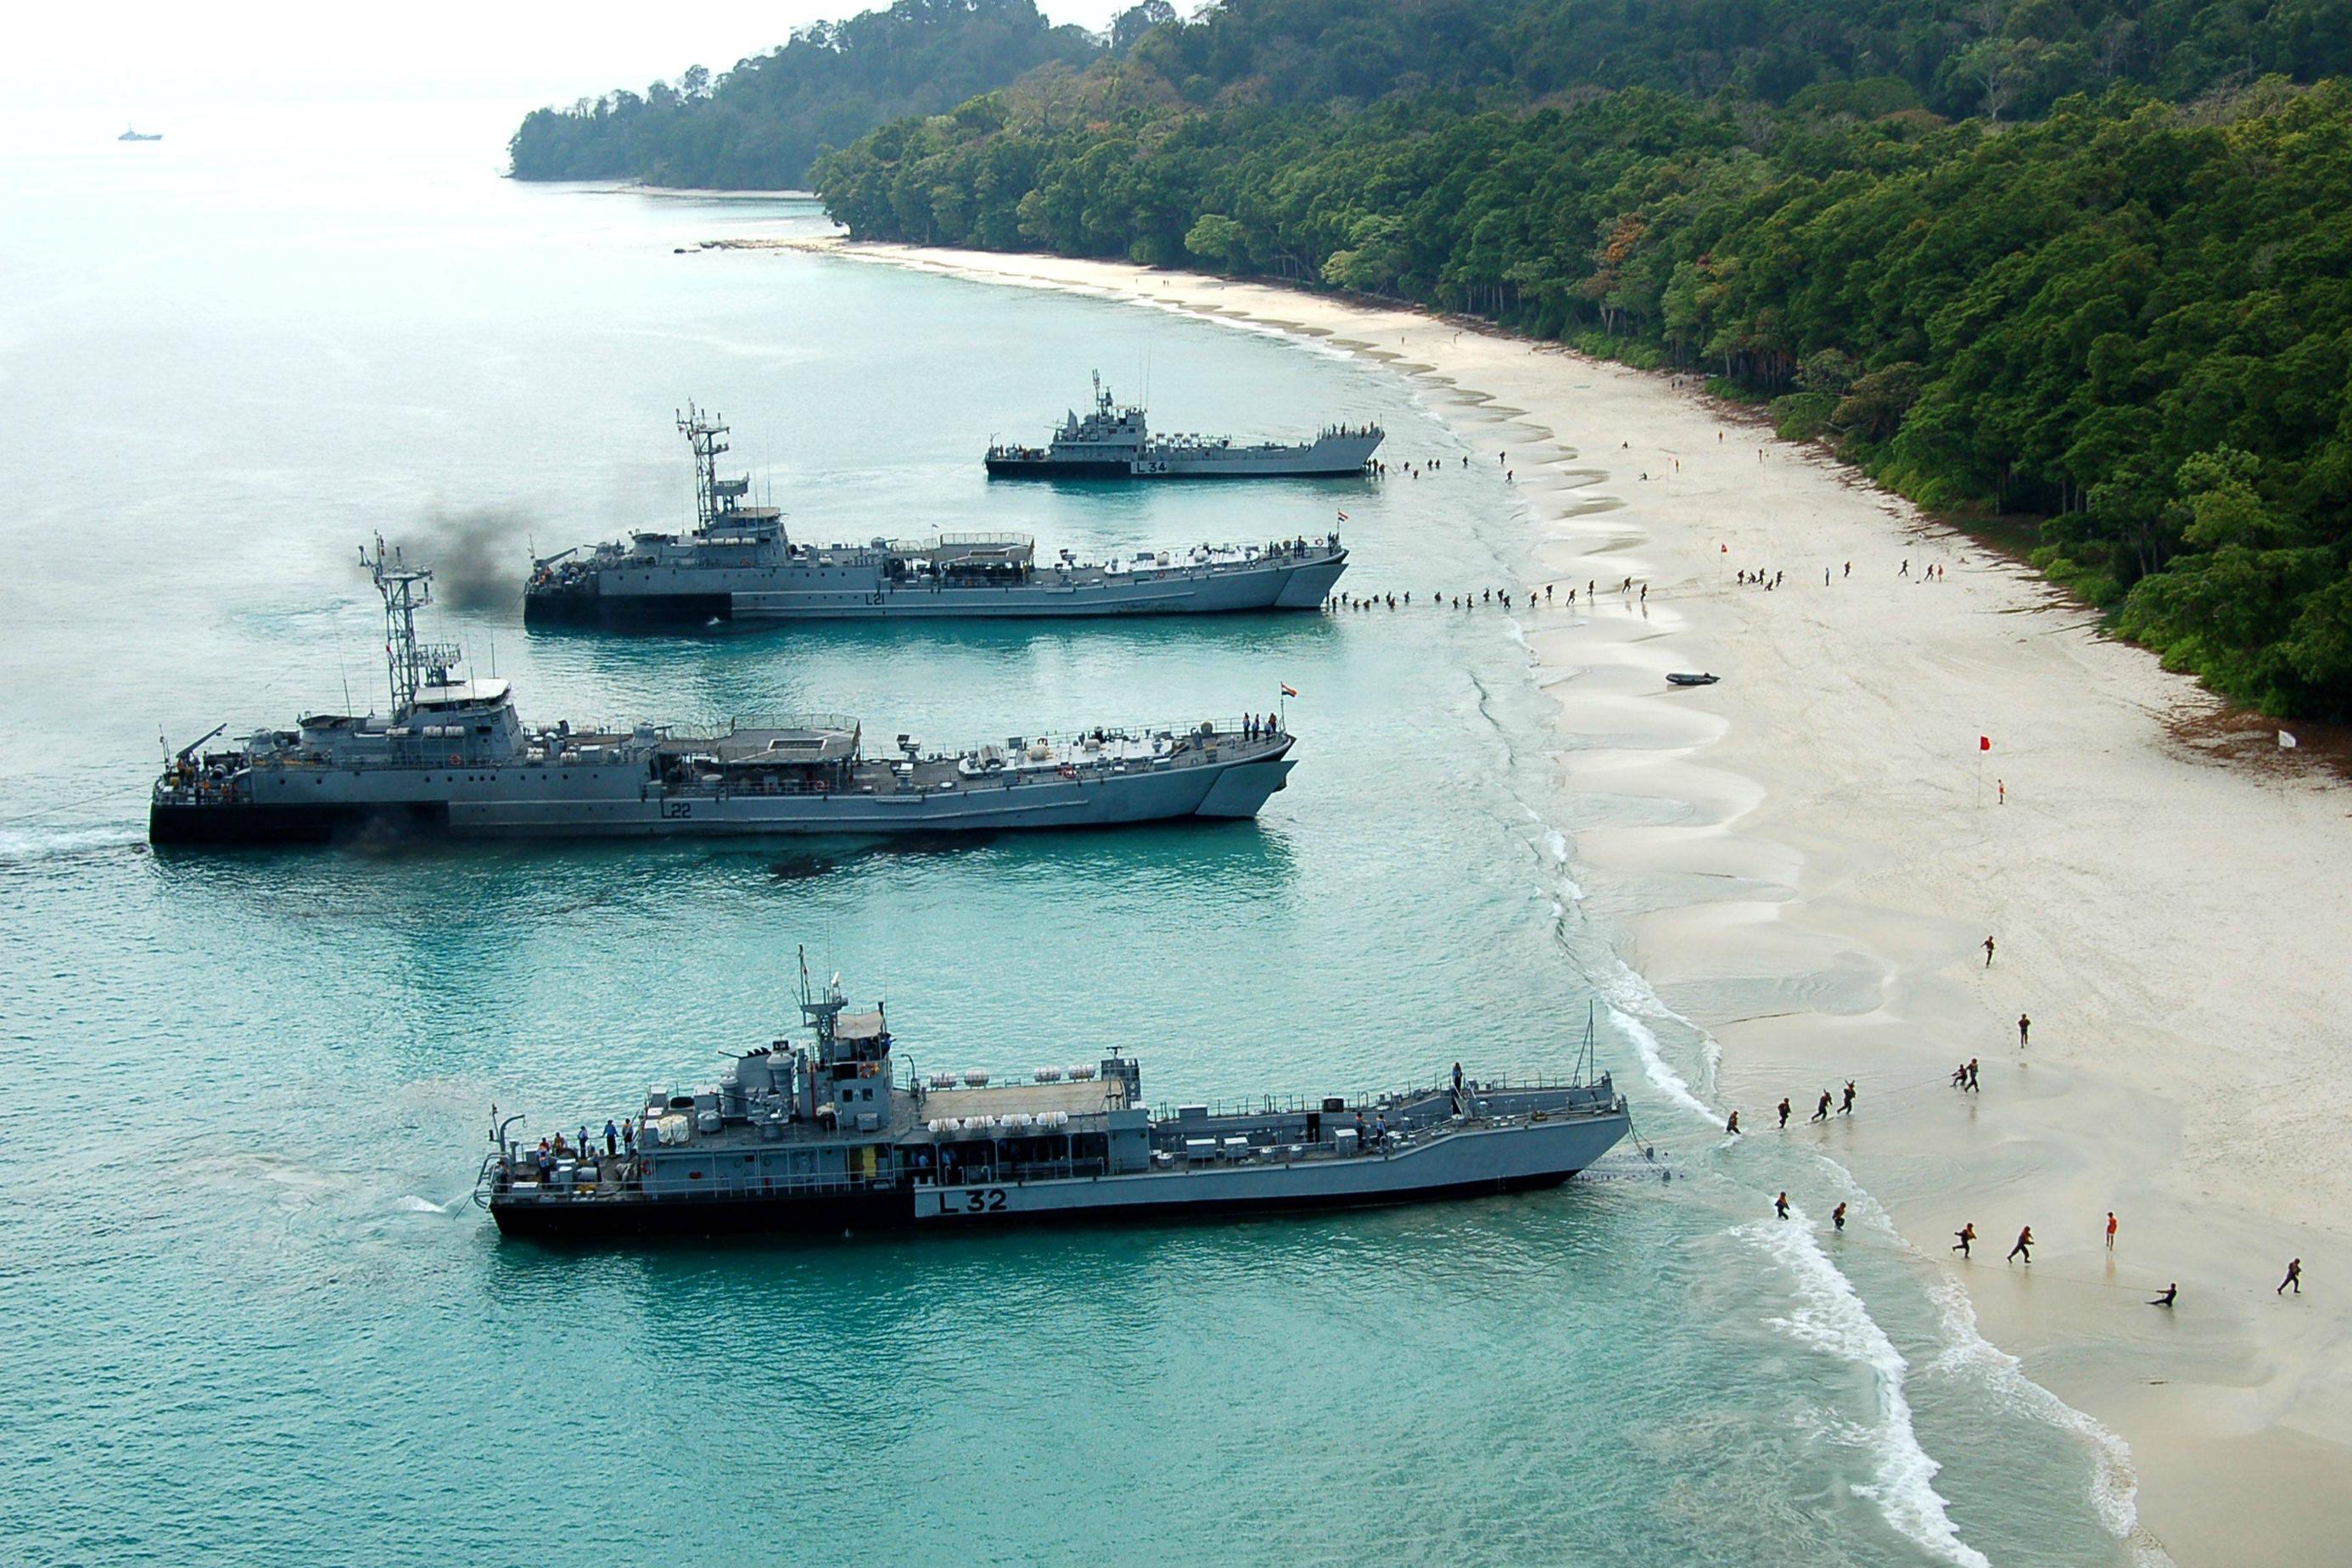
1086,1097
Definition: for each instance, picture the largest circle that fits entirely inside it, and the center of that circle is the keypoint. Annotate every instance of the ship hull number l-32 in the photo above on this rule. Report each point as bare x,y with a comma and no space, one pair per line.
969,1200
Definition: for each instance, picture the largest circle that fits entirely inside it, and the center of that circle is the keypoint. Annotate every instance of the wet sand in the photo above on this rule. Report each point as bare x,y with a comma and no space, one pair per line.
2176,926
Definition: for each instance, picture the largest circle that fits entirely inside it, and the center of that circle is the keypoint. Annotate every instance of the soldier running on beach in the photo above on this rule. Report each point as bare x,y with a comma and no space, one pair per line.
1837,1218
1847,1108
1988,952
2024,1027
1732,1126
2024,1245
1972,1075
1784,1113
1822,1111
1780,1206
2293,1278
1968,1234
1960,1076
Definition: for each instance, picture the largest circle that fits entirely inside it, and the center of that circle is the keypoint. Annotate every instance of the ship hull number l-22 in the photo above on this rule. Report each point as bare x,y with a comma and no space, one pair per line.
971,1200
676,809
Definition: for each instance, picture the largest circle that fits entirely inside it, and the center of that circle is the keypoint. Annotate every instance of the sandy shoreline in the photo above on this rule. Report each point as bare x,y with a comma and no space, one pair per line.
2174,926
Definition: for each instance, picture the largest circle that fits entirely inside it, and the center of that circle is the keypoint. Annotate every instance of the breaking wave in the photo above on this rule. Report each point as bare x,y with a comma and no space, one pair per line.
1830,1316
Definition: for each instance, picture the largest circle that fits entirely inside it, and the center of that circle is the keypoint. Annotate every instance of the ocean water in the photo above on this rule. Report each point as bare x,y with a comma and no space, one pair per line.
251,1316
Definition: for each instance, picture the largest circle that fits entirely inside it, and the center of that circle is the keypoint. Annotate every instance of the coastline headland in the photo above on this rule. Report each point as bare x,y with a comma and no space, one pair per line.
1840,842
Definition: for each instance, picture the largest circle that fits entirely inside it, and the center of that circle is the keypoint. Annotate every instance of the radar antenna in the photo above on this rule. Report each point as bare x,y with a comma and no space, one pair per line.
411,665
714,497
821,1009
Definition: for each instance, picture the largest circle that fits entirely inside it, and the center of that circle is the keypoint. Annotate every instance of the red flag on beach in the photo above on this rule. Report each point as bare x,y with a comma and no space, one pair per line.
1984,743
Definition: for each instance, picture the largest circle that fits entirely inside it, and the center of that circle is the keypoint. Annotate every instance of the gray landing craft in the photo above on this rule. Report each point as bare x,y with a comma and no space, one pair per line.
1114,443
834,1136
453,757
738,564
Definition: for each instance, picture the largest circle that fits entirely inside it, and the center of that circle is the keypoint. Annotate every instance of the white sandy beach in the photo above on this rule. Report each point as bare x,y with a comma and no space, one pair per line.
2176,926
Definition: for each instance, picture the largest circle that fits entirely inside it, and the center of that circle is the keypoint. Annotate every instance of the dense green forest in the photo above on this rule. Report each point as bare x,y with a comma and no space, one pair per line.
757,127
2090,262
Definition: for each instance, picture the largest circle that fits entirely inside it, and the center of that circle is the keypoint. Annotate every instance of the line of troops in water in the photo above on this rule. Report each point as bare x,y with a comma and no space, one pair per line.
828,1137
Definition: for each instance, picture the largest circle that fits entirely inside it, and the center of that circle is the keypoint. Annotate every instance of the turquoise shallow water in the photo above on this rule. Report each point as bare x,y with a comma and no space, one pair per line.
251,1318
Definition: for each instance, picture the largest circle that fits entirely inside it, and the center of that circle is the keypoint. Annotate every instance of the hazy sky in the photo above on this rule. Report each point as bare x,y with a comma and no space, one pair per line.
114,59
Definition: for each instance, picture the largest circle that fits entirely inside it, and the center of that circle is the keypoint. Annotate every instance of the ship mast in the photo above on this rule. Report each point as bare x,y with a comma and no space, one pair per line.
405,589
714,497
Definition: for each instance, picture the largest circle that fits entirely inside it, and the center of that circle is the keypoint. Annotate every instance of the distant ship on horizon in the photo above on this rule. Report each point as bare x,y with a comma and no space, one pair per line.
131,133
1113,442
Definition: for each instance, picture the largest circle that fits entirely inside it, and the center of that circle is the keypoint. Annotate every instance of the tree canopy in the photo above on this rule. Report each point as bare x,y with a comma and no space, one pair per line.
758,126
2091,262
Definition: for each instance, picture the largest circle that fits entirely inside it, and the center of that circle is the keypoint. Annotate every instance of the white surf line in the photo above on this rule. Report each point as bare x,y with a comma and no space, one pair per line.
2114,1486
1904,1492
1832,1317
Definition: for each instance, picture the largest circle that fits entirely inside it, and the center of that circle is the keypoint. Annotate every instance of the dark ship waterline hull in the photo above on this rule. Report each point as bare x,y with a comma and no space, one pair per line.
1232,792
638,1219
693,612
1295,587
626,611
1073,468
254,825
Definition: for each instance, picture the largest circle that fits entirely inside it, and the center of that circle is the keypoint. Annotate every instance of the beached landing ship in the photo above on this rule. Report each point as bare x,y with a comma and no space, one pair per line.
830,1136
738,565
1113,443
454,758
